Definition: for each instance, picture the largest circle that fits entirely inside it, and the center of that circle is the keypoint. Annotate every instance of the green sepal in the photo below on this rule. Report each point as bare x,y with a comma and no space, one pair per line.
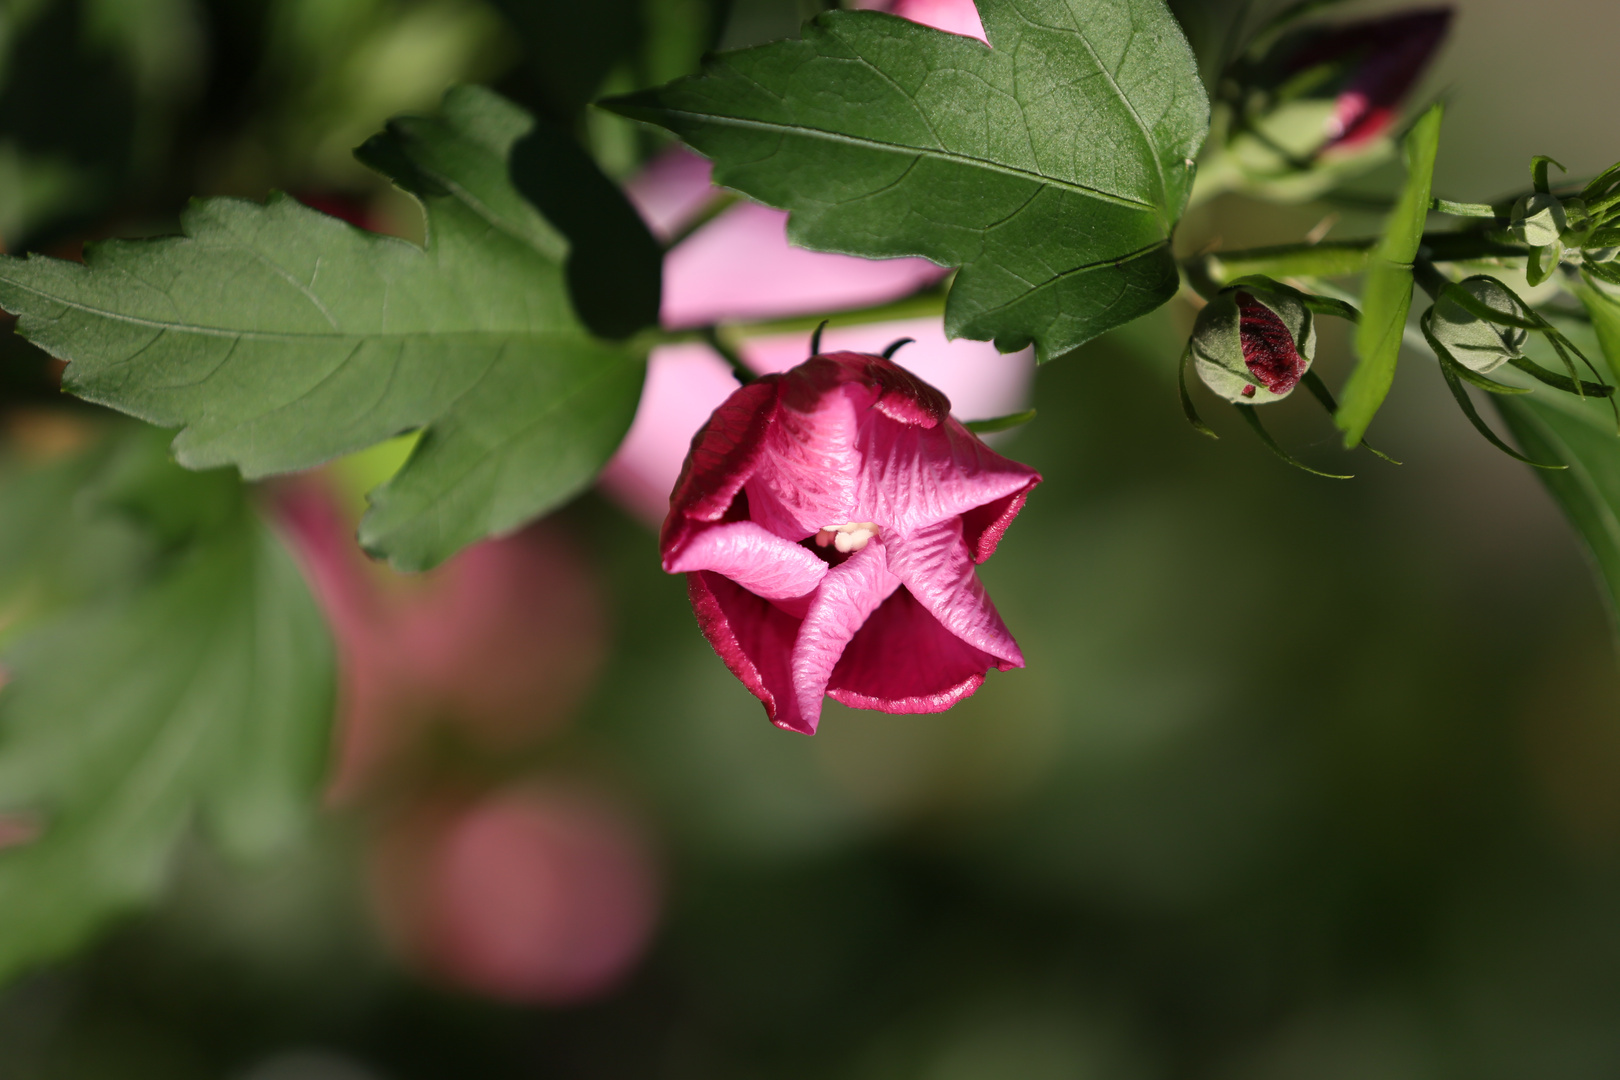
1486,383
1449,369
1324,397
1560,382
1253,420
1187,408
1542,263
999,423
1538,172
1599,186
1465,210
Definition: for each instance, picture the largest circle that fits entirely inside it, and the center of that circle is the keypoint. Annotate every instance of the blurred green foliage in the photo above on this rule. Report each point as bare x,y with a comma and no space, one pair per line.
1187,841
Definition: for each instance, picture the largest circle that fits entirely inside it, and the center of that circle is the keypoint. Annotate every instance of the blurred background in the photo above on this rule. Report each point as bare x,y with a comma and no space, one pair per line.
1303,780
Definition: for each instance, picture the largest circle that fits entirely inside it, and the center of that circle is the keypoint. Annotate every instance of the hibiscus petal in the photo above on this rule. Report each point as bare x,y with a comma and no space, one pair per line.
903,661
984,526
685,384
849,593
752,556
914,477
806,472
722,458
755,639
937,566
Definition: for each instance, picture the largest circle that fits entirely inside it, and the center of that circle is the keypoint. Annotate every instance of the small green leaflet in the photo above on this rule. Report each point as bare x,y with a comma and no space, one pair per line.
1386,296
1051,167
280,338
192,682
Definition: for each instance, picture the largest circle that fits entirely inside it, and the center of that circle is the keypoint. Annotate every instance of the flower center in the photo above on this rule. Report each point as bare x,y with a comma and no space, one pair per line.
849,537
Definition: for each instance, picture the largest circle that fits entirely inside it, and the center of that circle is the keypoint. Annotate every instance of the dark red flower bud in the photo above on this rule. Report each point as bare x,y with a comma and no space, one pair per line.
1368,67
1252,345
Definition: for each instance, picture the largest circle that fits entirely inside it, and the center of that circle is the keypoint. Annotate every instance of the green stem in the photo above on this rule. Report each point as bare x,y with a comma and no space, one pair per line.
1340,258
744,373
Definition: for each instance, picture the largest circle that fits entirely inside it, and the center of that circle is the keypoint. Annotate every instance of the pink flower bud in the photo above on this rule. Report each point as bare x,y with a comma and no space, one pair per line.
828,520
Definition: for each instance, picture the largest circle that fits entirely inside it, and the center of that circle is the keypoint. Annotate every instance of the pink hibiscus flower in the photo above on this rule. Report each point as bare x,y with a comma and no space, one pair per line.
829,520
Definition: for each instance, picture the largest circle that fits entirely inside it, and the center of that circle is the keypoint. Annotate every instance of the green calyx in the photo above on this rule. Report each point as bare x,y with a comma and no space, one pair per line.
1474,341
1217,341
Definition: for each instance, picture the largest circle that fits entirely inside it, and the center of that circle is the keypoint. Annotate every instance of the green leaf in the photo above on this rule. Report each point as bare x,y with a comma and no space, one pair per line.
195,685
1580,434
1051,167
280,338
1605,313
1387,290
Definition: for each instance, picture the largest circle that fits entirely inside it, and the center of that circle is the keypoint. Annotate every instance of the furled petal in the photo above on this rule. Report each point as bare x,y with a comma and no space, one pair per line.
849,593
723,456
915,477
903,661
755,558
808,460
740,266
755,639
685,384
937,566
984,526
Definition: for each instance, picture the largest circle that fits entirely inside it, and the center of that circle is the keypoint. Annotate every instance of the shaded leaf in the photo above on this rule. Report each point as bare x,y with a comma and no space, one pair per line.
1051,167
1579,434
280,338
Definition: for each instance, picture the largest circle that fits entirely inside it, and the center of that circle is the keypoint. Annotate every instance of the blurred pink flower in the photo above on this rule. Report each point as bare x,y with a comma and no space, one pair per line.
17,829
502,640
740,267
536,894
828,521
1380,60
951,16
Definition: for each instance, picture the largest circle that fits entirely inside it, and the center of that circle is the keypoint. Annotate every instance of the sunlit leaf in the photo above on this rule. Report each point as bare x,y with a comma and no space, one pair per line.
280,338
1386,296
1051,166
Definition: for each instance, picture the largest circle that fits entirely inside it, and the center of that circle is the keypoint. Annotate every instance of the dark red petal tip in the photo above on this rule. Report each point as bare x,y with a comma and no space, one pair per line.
901,396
